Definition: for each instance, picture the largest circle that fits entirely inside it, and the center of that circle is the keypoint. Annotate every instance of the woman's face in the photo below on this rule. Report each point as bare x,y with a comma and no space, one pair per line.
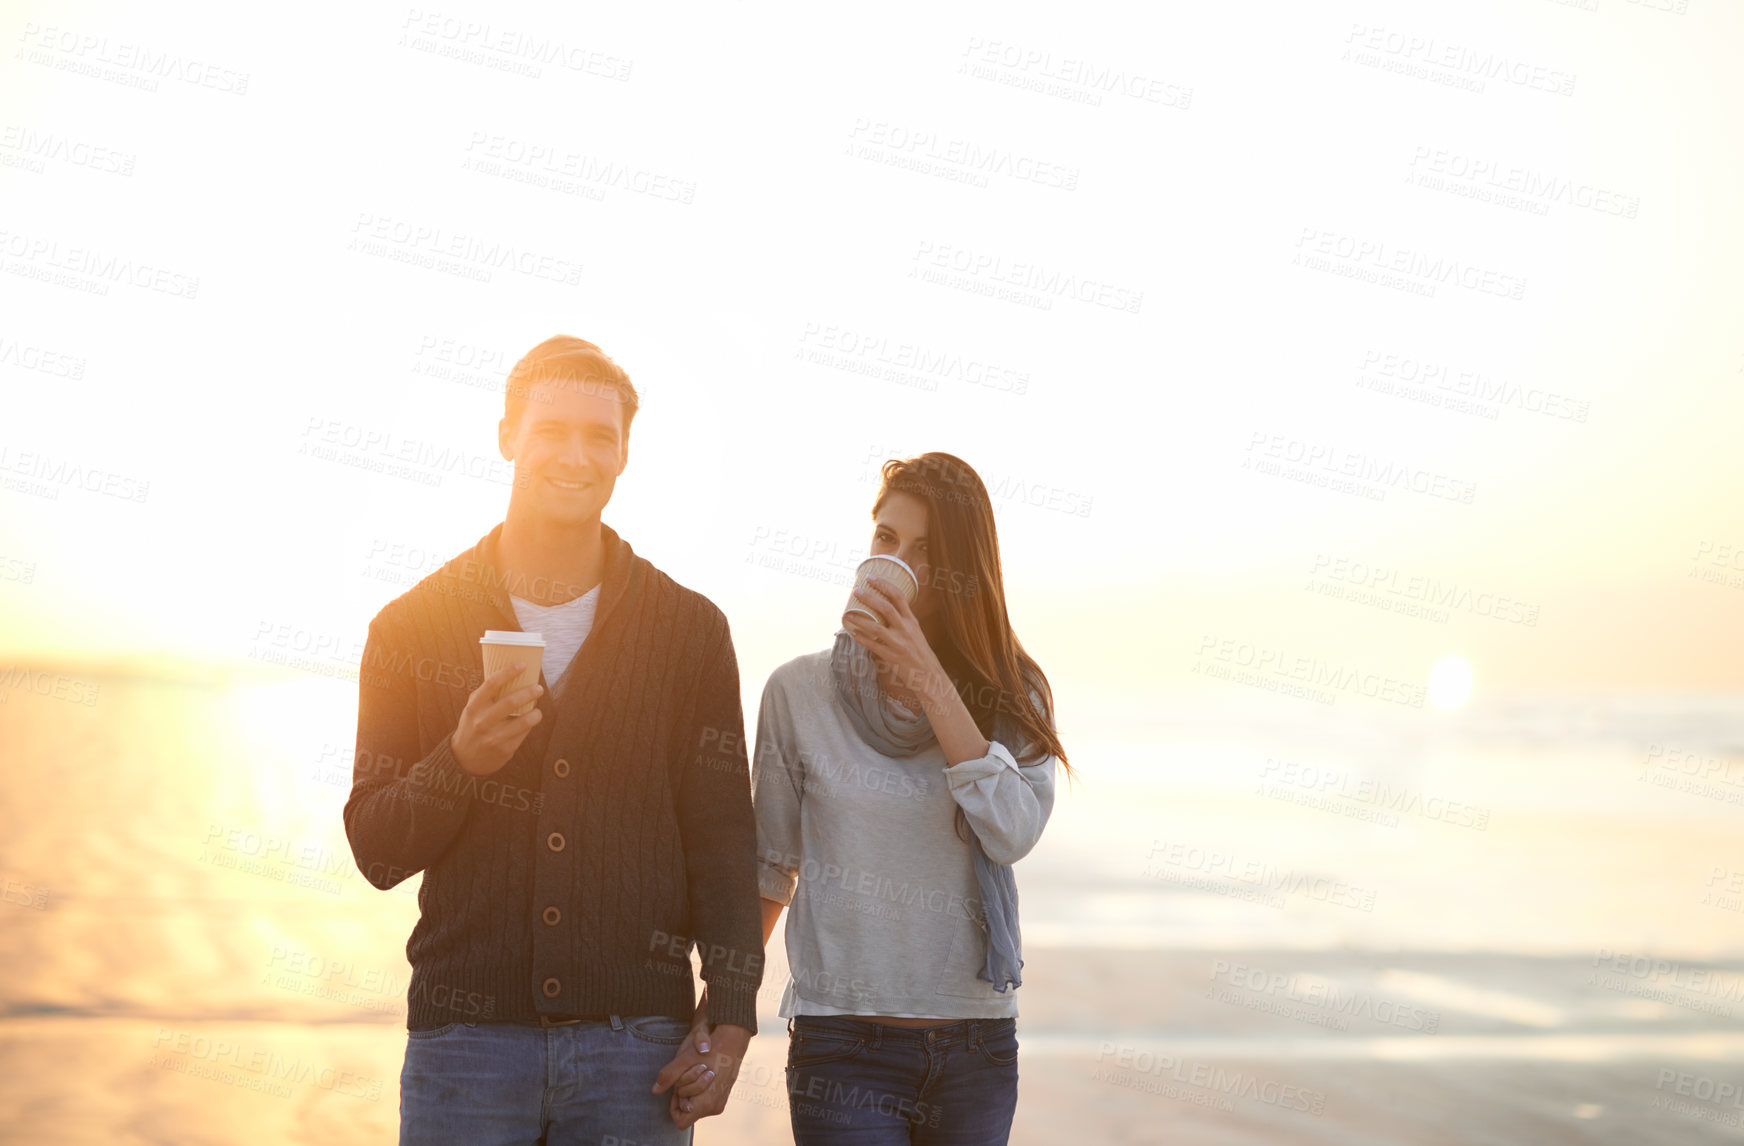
899,530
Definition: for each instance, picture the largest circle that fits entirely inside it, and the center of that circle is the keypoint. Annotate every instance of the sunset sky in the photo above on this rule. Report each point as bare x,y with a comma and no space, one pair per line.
748,229
1358,385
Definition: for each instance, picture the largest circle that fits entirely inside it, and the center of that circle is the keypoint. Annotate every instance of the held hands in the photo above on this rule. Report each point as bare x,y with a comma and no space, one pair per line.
688,1074
487,735
703,1071
910,668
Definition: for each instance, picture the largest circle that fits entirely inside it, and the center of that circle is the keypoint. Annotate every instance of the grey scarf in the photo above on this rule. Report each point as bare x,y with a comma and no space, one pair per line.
891,729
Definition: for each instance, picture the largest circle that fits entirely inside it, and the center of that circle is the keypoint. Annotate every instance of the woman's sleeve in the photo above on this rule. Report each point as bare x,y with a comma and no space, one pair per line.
1007,803
777,788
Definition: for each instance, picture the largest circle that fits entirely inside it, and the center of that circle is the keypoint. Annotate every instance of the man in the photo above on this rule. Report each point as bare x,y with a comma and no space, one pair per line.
572,855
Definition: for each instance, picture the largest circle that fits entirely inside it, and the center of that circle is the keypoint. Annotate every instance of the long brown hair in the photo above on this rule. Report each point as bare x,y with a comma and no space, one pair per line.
987,663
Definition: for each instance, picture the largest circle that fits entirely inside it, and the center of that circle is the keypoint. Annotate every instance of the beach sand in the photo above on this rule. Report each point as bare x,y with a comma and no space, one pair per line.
179,909
1167,1065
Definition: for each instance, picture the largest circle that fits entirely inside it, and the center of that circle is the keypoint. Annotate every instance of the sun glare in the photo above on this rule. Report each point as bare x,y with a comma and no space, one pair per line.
1450,682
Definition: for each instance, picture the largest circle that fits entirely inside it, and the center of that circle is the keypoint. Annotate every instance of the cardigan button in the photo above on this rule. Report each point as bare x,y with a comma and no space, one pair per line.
554,841
552,988
552,916
561,768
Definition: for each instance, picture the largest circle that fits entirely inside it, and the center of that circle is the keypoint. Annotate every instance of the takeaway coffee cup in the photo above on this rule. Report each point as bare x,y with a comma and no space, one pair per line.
892,570
503,647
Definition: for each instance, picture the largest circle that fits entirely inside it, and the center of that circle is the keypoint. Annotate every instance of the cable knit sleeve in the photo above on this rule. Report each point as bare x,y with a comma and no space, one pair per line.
716,822
398,819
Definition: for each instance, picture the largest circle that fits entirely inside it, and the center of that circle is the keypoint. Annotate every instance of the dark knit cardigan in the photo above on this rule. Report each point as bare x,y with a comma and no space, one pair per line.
573,880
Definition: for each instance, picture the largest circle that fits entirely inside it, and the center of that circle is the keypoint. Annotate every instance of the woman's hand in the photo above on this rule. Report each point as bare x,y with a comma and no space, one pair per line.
910,671
906,662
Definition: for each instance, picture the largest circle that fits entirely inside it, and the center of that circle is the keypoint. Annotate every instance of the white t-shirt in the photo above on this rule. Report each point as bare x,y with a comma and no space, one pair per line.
564,628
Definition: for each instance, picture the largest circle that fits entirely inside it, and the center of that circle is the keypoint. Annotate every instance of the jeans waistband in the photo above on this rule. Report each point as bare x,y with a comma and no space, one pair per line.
968,1032
563,1020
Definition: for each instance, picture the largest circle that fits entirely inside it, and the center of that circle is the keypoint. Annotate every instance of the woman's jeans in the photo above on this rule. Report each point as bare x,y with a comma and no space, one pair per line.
869,1084
505,1084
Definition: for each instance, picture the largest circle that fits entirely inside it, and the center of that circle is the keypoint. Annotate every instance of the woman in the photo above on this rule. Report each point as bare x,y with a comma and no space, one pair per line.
897,776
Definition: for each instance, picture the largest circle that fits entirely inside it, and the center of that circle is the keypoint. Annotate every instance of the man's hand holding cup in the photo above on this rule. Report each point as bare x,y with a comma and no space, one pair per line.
500,712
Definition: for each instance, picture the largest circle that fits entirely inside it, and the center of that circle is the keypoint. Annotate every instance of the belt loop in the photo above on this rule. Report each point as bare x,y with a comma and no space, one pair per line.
877,1034
617,1022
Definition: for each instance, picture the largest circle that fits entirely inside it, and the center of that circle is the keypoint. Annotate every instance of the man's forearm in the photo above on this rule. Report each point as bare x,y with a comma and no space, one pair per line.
397,827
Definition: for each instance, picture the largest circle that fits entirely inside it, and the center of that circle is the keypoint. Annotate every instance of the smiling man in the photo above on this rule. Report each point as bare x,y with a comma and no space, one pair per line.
572,856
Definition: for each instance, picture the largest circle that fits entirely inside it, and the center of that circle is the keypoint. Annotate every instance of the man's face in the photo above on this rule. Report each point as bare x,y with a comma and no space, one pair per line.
568,450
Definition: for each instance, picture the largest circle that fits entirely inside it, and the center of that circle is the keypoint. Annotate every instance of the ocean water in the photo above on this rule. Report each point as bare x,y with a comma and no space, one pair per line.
1552,883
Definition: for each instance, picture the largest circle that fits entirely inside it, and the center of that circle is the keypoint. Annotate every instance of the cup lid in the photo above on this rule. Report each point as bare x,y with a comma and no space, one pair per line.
510,637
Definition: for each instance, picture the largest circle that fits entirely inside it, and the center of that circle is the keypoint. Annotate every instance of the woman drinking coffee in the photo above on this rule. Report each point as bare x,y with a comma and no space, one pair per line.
898,775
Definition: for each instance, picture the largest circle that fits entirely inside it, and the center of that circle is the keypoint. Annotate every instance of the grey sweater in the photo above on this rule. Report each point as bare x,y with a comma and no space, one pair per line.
863,847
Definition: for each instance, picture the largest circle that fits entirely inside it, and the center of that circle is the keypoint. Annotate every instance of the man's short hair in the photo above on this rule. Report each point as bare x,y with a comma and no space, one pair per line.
564,357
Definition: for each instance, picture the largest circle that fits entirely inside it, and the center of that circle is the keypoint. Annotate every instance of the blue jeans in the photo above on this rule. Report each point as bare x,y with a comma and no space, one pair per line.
873,1084
507,1084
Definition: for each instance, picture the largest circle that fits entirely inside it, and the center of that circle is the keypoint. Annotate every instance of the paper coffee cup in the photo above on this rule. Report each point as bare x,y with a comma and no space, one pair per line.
890,569
503,647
